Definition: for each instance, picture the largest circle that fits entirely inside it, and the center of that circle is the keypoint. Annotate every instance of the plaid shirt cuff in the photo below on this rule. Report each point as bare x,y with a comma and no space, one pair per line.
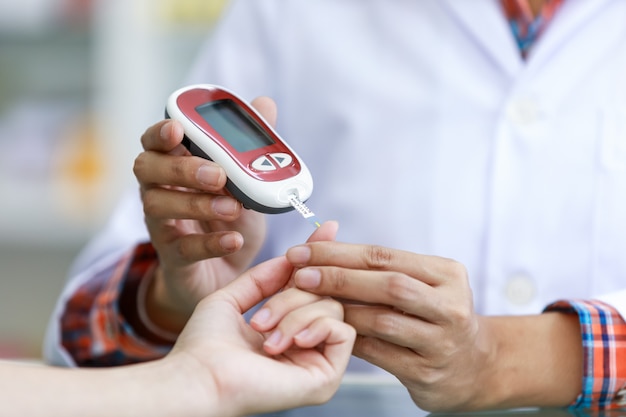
604,348
94,329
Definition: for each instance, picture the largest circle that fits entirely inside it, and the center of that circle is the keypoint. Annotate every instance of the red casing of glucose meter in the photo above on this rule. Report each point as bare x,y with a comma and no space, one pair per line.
263,171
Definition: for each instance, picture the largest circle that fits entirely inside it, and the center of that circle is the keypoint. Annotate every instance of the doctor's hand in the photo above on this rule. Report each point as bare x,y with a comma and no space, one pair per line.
204,238
293,353
415,318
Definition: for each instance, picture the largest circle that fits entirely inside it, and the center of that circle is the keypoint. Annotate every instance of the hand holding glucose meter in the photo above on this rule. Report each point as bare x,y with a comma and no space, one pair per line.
264,173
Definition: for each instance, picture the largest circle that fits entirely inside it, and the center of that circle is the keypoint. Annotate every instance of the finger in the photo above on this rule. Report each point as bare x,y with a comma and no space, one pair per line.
278,306
326,348
337,338
164,136
255,284
161,203
188,249
327,231
318,332
154,168
397,360
297,321
373,287
393,326
432,270
267,108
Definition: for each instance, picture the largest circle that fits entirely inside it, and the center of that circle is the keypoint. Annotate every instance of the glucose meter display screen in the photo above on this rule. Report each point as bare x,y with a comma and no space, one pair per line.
234,125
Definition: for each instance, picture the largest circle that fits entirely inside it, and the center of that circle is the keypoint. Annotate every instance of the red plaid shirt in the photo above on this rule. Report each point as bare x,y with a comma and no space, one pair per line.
525,25
96,331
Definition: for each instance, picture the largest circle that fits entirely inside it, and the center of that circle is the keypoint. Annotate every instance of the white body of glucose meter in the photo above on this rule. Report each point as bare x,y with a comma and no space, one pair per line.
263,172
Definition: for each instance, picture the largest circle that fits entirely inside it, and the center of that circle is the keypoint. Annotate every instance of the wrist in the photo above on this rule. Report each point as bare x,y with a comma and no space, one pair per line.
159,308
187,387
165,333
170,387
537,362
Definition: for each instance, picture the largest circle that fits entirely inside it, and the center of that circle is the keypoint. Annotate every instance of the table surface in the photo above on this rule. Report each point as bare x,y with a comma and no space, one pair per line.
382,397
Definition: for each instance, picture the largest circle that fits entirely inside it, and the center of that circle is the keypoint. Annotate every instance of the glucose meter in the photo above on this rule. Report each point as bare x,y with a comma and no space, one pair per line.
263,172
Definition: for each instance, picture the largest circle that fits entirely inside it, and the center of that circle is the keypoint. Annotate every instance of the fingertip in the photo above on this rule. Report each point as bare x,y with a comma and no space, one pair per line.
166,128
308,278
261,318
299,255
171,129
334,224
178,132
303,338
267,107
231,242
272,344
327,231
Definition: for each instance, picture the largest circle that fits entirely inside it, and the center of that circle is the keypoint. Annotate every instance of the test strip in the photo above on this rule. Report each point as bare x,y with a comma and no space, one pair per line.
304,211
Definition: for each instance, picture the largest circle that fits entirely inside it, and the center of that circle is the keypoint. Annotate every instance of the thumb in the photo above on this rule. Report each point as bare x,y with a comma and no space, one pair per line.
256,284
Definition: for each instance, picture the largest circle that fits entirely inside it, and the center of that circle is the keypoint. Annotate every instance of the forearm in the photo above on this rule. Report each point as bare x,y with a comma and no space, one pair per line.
155,389
538,361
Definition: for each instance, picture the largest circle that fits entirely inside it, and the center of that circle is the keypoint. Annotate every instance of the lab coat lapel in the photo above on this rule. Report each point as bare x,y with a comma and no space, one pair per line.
570,20
484,21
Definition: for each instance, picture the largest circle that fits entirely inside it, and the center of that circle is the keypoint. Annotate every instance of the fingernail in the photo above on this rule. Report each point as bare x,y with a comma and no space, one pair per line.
303,335
208,174
261,316
299,255
165,130
274,338
225,206
308,278
230,242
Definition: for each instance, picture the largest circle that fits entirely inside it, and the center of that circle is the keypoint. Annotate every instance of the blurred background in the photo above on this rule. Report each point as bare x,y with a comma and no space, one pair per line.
80,80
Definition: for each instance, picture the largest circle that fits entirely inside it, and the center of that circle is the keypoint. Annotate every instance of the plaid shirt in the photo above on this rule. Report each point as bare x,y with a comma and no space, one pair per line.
604,353
525,25
98,331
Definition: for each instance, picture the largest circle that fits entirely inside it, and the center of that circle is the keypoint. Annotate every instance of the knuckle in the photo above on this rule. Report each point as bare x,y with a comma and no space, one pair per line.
190,250
179,168
459,314
386,324
366,347
195,203
377,257
430,376
446,349
334,307
456,270
139,165
399,287
145,137
150,203
339,279
182,251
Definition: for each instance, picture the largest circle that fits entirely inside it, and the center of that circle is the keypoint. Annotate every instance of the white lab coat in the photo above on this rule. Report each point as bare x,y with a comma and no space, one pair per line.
425,130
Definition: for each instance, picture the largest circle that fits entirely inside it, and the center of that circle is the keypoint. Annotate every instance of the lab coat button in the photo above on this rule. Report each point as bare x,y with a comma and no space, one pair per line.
520,290
523,112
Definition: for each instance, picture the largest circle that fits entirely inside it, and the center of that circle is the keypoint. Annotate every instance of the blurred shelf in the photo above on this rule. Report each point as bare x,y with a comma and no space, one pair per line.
75,96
